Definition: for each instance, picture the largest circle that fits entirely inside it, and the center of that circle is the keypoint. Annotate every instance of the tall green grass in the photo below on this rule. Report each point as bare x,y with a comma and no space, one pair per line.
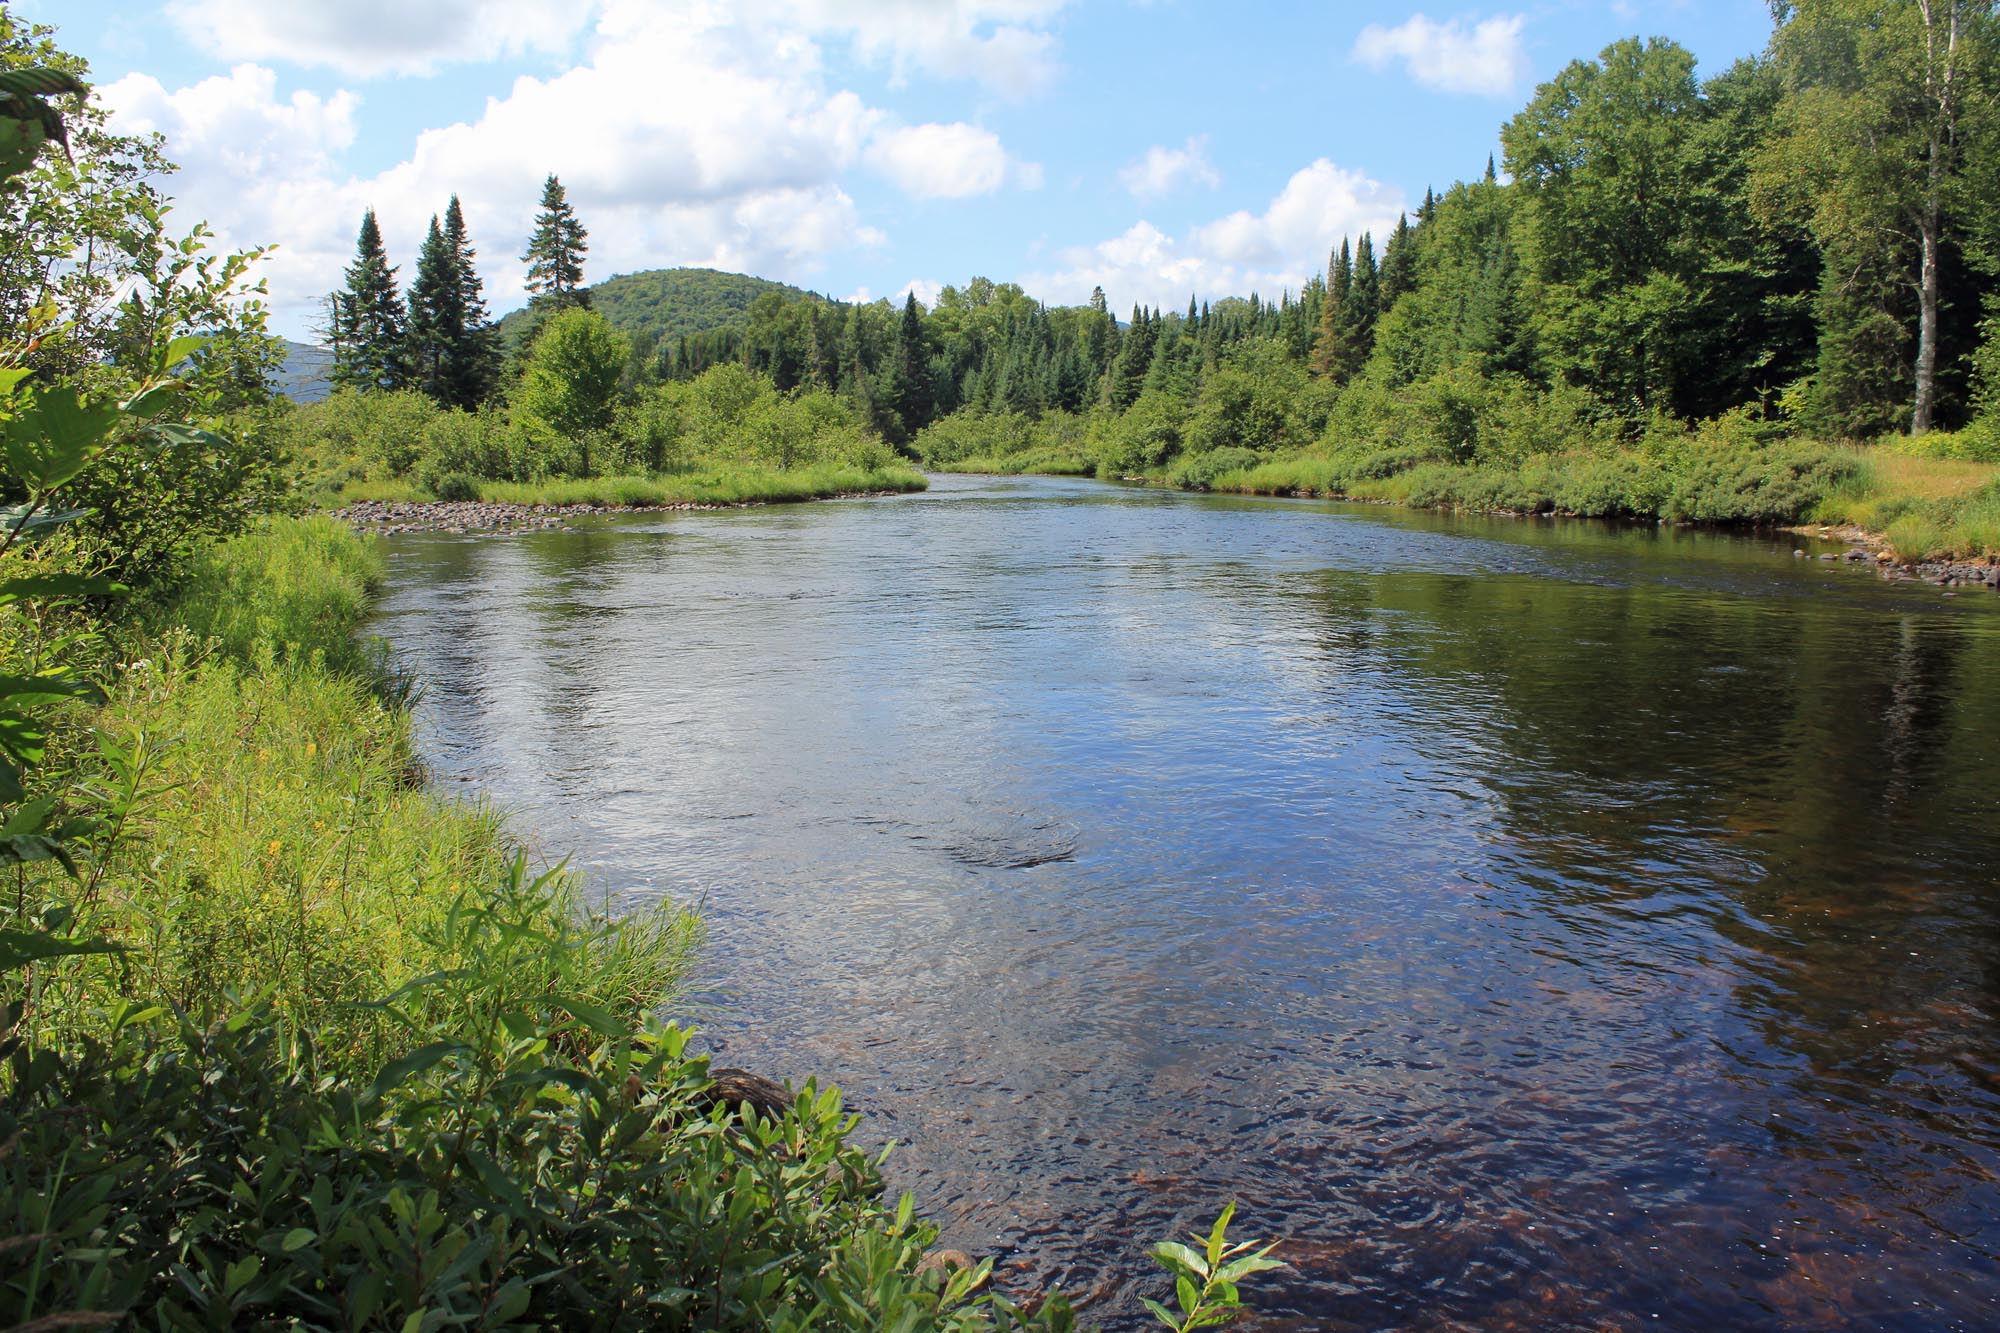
1927,504
285,846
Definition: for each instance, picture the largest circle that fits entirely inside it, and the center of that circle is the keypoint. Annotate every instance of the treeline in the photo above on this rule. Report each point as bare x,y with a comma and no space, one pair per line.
1666,247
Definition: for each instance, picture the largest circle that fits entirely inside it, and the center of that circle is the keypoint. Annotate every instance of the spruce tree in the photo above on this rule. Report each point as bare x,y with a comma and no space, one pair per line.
555,252
432,314
368,317
915,366
1364,305
1329,360
1398,264
472,361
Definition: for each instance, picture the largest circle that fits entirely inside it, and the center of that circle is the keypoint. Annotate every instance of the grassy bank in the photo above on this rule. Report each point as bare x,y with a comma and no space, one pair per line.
1922,508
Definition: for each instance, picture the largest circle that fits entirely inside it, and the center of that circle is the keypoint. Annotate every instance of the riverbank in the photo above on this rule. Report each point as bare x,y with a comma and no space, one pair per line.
1936,518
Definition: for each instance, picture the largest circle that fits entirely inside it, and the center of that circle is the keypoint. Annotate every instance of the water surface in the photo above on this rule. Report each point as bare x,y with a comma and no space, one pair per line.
1533,924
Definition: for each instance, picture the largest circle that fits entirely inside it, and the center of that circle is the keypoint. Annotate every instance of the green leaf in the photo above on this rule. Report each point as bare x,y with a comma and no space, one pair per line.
1255,1263
58,436
27,519
298,1238
155,399
1178,1258
180,349
1161,1313
1215,1235
22,739
57,586
23,946
1190,1298
39,691
240,1274
175,433
600,1021
397,1071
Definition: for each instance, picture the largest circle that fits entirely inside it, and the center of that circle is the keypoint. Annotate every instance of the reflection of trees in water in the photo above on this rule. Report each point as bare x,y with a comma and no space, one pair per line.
1803,791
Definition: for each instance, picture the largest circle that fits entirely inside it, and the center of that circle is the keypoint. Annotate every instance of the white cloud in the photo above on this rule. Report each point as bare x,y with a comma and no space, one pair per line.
1003,44
955,161
691,135
1163,170
924,289
1270,252
367,38
1485,57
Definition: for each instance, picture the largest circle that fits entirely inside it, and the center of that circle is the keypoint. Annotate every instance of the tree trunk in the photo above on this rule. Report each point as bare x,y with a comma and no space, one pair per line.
1927,328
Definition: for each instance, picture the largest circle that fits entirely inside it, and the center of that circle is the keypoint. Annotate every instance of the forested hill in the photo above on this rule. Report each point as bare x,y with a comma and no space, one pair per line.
668,303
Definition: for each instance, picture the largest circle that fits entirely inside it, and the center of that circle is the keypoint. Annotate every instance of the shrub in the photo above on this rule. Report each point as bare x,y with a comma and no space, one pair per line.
455,487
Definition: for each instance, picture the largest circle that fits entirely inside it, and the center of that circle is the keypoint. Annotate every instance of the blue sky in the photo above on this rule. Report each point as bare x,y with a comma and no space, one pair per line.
1157,147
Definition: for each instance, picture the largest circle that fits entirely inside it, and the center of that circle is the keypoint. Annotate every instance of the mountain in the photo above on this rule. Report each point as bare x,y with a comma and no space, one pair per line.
669,302
308,373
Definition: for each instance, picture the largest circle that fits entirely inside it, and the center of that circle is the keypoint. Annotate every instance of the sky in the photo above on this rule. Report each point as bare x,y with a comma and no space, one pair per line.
1160,149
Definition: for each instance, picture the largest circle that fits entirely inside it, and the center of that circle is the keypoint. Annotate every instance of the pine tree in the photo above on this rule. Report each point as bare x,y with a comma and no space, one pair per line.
368,317
555,252
472,361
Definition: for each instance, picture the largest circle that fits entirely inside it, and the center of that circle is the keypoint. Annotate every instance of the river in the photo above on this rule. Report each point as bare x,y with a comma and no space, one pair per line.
1529,923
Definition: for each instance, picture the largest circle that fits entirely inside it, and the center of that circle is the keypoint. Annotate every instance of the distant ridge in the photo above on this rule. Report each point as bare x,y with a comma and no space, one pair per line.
668,303
307,376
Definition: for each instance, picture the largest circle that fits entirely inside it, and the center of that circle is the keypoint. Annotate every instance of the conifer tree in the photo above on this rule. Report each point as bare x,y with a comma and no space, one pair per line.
368,317
472,362
555,252
1329,360
432,314
1363,307
1398,264
915,366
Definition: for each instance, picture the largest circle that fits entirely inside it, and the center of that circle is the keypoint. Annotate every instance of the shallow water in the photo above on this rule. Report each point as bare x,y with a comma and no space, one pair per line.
1531,923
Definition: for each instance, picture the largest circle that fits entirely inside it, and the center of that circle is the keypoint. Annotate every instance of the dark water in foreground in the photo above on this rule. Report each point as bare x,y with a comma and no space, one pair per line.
1531,924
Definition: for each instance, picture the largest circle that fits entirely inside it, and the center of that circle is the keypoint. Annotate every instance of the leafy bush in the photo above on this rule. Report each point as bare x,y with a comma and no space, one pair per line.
536,1159
1198,472
455,486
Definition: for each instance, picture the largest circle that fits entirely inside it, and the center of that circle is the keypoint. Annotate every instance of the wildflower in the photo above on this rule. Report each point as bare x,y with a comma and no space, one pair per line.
276,846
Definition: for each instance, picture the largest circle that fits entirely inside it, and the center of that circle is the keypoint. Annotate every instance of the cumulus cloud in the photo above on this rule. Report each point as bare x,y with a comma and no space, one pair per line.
1277,250
1485,57
695,133
955,161
1163,170
367,38
1002,44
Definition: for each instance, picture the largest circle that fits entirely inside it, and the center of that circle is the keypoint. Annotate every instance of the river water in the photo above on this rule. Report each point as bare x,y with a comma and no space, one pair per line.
1530,923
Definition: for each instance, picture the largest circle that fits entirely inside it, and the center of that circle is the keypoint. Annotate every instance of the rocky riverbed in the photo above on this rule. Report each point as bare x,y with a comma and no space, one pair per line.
394,516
